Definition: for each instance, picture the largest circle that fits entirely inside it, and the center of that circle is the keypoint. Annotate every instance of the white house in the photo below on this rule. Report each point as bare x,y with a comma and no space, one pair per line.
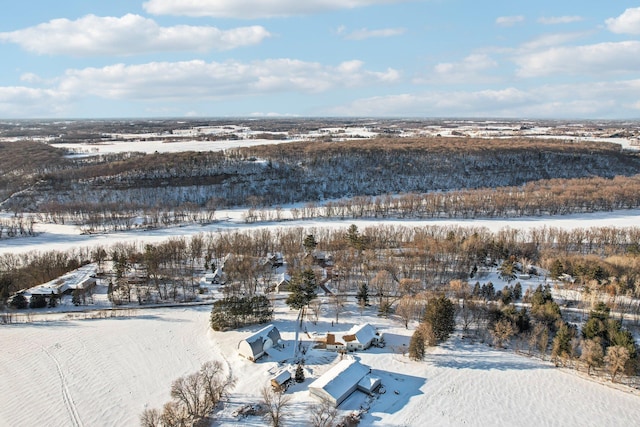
257,344
360,337
339,382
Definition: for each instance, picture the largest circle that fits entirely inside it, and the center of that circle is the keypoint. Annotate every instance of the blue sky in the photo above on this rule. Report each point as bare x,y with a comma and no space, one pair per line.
354,58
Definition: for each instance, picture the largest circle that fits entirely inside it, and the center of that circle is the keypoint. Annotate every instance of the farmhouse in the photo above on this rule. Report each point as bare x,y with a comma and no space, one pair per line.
257,344
339,382
358,338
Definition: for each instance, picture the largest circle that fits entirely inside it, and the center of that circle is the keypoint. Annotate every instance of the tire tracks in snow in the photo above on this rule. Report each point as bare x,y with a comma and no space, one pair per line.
66,395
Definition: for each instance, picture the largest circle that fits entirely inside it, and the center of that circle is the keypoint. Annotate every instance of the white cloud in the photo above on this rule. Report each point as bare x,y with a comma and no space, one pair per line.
548,40
597,59
470,69
627,23
128,35
365,33
509,21
201,80
20,101
587,100
252,9
554,20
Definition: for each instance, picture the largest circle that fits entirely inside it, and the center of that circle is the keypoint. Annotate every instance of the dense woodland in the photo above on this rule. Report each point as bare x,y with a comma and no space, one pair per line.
114,188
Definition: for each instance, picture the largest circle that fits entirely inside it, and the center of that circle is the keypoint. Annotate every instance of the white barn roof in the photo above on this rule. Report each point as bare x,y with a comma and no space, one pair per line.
339,381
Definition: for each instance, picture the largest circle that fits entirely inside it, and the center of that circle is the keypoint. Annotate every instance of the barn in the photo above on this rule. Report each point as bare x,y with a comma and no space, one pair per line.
339,382
257,344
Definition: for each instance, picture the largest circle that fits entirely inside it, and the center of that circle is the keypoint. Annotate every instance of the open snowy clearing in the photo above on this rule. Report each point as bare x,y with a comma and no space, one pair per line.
106,371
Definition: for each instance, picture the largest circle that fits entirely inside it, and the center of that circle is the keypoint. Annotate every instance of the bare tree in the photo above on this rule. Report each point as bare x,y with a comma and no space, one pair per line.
315,308
151,417
200,392
276,403
502,331
323,414
616,359
592,354
407,308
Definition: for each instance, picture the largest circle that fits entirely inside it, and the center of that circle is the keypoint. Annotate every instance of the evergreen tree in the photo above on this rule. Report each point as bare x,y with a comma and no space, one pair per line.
299,375
557,269
110,291
37,301
363,295
476,290
354,238
310,243
440,313
517,291
53,301
302,289
19,302
416,346
561,345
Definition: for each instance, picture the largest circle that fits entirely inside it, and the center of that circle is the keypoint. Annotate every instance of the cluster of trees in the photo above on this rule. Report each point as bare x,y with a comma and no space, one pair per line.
602,341
17,226
193,399
236,312
438,323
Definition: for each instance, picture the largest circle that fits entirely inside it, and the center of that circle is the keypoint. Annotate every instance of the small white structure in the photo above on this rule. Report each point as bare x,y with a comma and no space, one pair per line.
339,382
257,344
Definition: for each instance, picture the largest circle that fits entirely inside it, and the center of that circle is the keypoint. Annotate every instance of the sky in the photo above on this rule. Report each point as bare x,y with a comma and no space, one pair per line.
316,58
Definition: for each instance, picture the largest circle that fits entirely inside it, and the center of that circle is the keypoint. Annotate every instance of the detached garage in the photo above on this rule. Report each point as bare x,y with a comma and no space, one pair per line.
257,344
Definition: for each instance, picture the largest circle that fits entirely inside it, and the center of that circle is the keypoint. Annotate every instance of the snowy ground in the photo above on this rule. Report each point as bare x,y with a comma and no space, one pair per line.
106,371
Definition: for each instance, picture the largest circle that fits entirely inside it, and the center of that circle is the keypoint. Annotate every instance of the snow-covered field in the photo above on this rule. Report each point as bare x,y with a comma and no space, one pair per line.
104,372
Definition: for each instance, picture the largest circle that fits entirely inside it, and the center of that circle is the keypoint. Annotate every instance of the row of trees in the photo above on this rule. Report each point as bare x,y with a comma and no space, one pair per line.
17,226
391,260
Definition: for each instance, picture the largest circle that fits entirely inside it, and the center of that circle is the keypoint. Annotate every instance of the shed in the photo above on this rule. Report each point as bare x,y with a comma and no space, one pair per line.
279,382
339,382
257,344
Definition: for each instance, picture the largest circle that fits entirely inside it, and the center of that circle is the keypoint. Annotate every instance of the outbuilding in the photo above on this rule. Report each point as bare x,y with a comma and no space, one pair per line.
257,344
339,382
